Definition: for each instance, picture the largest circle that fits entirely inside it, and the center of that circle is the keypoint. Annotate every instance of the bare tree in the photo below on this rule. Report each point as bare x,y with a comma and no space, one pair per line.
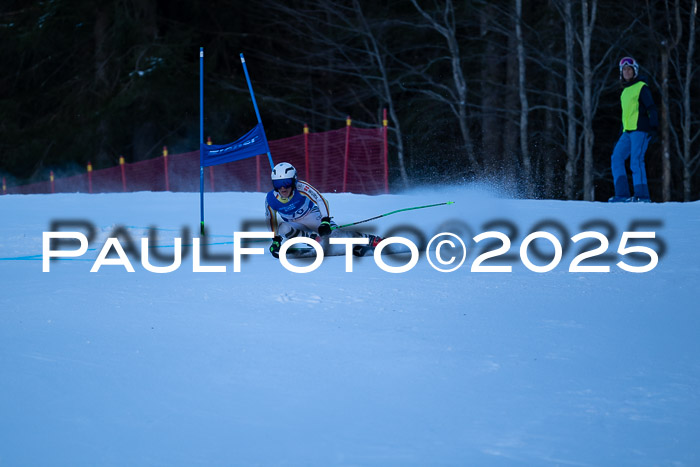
667,42
499,82
103,85
523,97
511,105
552,115
589,18
342,42
560,66
571,152
689,160
491,73
679,97
522,92
447,27
589,84
378,54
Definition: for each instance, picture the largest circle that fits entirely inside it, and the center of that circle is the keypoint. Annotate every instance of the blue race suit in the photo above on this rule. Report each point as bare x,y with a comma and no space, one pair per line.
300,213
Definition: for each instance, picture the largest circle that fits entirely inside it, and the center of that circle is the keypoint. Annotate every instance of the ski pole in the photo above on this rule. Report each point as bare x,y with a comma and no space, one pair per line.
392,212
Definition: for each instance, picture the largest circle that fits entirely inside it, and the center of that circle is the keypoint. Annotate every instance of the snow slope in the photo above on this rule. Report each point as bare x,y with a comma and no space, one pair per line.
270,367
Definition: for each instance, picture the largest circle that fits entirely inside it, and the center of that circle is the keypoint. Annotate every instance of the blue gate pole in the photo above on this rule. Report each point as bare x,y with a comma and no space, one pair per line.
201,138
255,105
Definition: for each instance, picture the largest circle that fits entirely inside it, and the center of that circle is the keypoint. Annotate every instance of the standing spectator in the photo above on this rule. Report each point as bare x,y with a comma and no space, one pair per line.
639,127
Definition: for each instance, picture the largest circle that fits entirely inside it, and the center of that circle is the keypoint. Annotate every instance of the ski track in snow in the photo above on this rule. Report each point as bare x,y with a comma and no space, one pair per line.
268,367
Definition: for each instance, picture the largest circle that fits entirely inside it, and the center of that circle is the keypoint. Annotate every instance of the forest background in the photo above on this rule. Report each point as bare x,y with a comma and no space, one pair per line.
524,95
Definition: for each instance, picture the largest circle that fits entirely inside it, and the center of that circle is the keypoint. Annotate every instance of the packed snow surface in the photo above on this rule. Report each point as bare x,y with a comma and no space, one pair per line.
270,367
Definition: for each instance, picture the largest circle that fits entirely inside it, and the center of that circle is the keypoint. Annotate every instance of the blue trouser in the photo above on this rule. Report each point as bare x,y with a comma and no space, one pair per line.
633,145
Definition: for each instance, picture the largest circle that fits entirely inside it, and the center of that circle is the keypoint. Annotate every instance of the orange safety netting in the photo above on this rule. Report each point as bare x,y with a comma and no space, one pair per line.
344,160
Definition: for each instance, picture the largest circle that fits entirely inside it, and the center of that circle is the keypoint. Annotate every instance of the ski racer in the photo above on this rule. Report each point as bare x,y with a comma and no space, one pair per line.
304,212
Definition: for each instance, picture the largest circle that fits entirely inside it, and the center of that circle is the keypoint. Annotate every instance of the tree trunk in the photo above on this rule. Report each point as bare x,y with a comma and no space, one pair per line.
588,137
101,84
527,169
145,135
449,32
511,132
461,88
548,159
686,125
665,136
491,72
571,153
399,144
668,43
374,51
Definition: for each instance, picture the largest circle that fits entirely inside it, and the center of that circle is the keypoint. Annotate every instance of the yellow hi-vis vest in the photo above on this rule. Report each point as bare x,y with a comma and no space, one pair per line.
629,99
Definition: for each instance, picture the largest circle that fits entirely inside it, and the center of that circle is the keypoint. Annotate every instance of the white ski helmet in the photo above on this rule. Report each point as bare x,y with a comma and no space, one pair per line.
284,174
629,61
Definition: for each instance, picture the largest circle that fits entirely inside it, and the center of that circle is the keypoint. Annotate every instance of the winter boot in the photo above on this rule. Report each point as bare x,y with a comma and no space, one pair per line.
635,199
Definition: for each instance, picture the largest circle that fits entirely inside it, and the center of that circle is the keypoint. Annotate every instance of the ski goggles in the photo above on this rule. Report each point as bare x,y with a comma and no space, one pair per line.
628,61
283,183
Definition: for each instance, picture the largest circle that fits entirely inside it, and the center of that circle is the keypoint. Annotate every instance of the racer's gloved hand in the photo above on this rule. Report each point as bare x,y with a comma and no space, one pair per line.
275,247
325,228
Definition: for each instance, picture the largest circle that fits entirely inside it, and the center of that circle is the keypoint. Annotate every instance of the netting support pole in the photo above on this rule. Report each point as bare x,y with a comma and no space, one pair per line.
211,169
348,124
89,171
165,168
385,134
123,170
